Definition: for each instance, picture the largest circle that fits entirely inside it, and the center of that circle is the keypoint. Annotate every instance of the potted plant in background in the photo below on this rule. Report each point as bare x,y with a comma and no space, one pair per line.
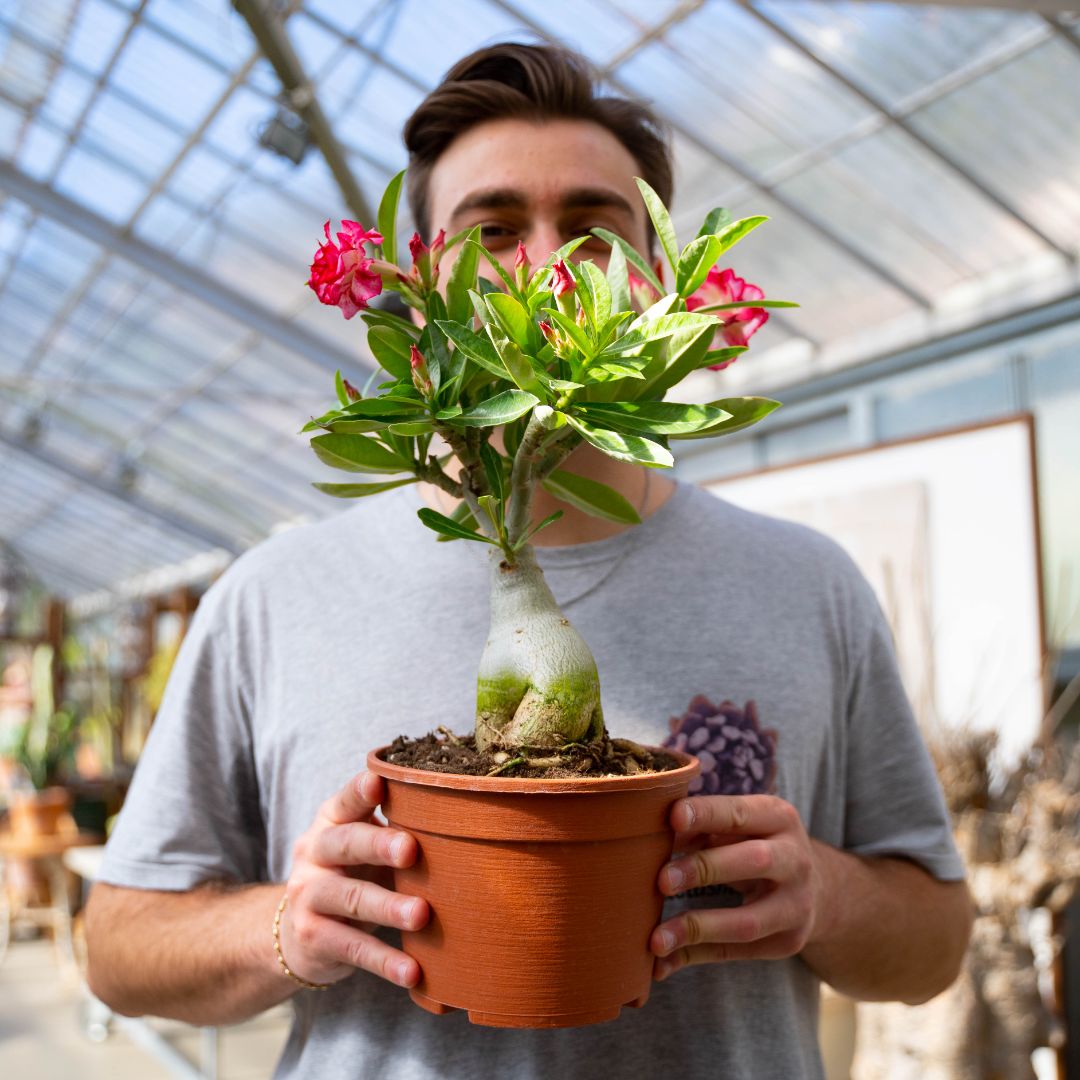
541,837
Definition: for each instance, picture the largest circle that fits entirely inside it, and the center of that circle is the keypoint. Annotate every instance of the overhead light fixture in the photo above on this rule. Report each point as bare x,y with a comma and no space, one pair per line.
286,134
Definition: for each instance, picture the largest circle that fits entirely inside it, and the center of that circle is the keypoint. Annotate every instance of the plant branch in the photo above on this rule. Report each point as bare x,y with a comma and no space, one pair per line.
523,479
556,450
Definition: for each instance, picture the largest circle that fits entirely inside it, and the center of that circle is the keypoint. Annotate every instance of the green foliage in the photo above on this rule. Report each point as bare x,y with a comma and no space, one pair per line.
387,217
591,496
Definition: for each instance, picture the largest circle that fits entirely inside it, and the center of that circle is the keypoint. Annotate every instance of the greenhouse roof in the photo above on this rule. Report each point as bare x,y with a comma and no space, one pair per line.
159,348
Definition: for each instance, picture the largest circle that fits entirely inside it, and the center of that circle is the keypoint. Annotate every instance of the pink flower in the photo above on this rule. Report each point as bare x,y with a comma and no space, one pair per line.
737,325
521,257
341,273
642,294
417,248
562,281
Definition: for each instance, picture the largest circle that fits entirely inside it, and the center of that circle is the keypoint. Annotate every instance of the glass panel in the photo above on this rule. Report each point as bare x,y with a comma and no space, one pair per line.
130,135
895,50
1019,130
208,26
153,68
98,30
68,95
100,187
40,152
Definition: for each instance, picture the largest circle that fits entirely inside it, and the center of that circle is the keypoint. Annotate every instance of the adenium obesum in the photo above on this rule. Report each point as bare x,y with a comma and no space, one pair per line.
342,274
491,390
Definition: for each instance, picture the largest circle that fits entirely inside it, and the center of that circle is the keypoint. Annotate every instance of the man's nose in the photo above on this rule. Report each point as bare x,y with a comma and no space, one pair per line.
542,239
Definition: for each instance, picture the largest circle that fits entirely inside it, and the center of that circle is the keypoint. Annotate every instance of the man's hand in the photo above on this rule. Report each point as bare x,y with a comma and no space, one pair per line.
757,845
874,927
339,892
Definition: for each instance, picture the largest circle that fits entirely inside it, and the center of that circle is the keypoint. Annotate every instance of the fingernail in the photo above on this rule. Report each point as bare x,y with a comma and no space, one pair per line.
397,847
404,970
410,911
667,940
688,814
675,878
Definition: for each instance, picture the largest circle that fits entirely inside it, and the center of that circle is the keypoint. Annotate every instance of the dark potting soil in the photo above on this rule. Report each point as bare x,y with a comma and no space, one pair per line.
442,751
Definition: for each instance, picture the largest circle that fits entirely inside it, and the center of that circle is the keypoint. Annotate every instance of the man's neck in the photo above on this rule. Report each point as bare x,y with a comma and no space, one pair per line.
645,489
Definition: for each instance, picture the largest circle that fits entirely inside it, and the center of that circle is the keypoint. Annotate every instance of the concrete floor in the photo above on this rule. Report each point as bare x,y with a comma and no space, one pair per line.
42,1014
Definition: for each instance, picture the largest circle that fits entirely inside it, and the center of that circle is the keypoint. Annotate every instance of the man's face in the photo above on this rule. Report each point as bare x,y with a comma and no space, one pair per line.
541,183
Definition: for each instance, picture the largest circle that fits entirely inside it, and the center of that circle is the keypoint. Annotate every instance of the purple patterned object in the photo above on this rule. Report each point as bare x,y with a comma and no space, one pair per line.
737,755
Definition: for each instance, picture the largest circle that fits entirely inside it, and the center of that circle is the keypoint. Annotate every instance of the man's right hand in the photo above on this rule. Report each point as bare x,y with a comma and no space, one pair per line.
340,891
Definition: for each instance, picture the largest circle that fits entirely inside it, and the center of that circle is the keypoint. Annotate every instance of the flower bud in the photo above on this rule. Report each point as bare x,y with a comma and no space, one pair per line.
421,376
562,281
522,266
421,259
350,391
549,334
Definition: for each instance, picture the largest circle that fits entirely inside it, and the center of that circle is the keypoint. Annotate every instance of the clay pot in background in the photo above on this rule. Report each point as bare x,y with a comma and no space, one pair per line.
543,893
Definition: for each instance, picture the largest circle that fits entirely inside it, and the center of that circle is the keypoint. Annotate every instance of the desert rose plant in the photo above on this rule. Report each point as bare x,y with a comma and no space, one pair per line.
504,379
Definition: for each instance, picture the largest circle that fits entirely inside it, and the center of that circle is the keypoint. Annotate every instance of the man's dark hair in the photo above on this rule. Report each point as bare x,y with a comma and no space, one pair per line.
532,82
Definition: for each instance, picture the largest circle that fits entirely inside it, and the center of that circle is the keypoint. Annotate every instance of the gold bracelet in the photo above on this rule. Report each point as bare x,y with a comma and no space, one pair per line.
281,959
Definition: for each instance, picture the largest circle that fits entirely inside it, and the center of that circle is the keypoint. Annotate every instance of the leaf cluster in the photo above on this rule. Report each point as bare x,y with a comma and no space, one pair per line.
503,354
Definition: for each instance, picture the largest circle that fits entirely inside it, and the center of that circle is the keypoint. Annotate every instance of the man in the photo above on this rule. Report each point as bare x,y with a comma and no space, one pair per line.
330,640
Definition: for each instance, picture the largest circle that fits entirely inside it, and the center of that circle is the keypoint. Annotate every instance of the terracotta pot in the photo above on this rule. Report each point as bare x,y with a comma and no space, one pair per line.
39,813
543,893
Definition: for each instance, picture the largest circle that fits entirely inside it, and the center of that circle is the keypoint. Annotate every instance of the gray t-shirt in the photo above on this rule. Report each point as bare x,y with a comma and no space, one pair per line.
334,638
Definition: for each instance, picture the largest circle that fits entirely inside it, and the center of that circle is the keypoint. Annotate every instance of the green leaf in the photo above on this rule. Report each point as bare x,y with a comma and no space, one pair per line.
734,232
411,428
563,253
358,491
494,470
511,317
517,363
463,516
732,305
339,388
715,220
561,385
497,410
440,523
743,412
591,496
387,217
721,356
357,453
630,448
609,370
490,505
651,417
463,278
599,293
476,347
530,533
383,408
661,220
507,280
632,257
697,259
618,279
373,317
390,348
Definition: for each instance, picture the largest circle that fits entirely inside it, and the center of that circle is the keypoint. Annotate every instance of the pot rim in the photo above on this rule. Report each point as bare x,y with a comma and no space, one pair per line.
528,785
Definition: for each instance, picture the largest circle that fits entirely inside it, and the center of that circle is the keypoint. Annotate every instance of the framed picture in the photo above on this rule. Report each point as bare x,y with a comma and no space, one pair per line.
945,528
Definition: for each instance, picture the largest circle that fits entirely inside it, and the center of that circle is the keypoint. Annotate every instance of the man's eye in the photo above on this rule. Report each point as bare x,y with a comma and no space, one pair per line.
494,232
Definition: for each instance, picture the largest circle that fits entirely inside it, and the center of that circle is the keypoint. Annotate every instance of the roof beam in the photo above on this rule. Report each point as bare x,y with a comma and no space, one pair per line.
86,479
216,294
905,126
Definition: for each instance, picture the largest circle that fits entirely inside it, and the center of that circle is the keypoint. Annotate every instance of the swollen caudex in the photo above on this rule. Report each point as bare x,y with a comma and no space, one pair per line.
538,682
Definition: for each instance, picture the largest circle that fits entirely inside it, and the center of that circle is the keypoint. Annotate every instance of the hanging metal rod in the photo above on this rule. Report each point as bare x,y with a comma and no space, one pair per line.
269,31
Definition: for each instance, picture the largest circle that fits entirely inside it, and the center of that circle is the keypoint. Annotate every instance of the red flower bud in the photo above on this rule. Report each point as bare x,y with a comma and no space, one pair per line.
562,281
417,248
549,333
350,391
421,377
521,258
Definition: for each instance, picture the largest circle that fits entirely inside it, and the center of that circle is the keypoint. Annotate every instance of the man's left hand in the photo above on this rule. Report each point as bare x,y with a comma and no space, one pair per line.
757,845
